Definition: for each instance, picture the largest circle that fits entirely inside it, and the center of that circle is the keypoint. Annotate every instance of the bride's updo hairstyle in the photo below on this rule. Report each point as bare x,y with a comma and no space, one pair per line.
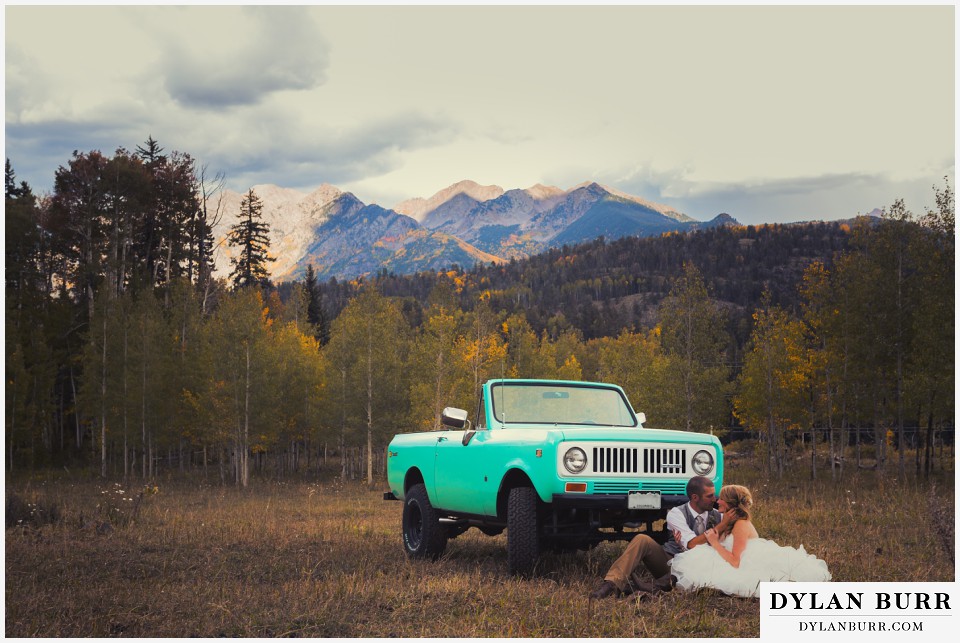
740,500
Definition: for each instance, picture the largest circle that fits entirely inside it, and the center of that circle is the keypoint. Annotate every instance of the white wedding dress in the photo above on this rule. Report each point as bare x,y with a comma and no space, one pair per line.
762,560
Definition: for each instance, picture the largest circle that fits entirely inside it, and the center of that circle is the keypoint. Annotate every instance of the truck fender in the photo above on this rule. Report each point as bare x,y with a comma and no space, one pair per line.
516,476
412,477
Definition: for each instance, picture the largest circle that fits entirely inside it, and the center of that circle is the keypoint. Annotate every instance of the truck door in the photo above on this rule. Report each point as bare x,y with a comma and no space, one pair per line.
461,472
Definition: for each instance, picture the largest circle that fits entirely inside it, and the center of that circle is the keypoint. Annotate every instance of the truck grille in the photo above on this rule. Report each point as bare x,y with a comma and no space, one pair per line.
622,459
639,460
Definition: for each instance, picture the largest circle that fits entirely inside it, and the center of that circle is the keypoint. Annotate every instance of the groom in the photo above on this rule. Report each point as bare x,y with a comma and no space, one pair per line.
687,523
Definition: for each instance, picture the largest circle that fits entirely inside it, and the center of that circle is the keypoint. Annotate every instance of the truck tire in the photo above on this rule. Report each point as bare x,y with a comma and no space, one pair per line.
523,538
423,536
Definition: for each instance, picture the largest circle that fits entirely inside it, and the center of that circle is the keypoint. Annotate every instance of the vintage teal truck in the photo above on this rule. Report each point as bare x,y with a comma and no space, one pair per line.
559,465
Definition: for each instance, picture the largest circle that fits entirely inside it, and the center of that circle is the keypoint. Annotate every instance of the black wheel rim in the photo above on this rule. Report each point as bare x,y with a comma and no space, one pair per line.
414,526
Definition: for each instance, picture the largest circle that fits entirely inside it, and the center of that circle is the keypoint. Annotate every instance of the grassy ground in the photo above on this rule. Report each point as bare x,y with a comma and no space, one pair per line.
323,559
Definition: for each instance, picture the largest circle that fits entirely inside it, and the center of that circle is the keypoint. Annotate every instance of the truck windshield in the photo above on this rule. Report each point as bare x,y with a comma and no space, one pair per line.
523,403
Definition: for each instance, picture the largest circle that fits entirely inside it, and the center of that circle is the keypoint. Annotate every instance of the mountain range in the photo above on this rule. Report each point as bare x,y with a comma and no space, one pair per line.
463,224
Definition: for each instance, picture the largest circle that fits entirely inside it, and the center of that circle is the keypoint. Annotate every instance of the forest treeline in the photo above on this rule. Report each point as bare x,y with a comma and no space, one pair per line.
601,287
124,349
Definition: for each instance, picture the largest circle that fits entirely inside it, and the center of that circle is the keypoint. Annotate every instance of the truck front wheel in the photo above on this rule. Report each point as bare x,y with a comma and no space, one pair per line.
523,538
423,536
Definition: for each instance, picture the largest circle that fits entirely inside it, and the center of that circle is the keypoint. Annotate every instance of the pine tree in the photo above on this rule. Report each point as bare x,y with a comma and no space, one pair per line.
10,190
316,315
250,236
22,243
150,151
147,237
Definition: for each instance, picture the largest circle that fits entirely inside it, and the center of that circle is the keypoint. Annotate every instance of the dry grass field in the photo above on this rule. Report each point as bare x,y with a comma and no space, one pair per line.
324,559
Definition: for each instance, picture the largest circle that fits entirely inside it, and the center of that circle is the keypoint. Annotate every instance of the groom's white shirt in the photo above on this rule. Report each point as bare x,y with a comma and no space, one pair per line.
677,521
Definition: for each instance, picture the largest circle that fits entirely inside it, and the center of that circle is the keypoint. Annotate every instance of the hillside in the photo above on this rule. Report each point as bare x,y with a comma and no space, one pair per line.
602,286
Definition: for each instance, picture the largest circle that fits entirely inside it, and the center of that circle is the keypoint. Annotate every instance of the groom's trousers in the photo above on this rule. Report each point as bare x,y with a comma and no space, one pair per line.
642,550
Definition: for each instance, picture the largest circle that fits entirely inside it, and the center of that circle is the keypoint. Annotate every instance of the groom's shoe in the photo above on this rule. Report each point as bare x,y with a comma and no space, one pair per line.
666,582
640,589
637,586
606,588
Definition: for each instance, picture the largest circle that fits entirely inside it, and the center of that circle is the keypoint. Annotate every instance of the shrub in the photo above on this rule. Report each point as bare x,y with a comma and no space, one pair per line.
19,512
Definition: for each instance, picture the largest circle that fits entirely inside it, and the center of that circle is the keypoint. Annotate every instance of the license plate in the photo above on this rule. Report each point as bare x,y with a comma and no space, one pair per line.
643,500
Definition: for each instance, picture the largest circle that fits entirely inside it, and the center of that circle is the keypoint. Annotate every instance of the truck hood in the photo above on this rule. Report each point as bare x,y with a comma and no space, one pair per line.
634,434
543,434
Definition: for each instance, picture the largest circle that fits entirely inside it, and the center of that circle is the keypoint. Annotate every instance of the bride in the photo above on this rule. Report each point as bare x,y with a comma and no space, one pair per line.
737,559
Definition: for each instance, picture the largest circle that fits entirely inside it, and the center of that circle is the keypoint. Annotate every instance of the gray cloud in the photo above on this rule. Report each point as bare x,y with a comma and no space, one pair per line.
36,150
825,197
260,144
300,156
280,50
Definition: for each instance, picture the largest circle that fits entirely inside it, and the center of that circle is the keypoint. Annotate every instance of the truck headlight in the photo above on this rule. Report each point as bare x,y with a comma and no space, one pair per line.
702,462
575,460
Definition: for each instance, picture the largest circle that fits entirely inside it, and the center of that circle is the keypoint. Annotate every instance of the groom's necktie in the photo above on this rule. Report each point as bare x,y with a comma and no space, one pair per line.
698,525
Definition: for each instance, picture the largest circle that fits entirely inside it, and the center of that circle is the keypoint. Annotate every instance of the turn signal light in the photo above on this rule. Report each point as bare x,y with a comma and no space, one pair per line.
576,487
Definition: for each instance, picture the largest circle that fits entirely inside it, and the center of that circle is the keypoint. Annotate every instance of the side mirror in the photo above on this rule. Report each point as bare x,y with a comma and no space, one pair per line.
641,417
453,418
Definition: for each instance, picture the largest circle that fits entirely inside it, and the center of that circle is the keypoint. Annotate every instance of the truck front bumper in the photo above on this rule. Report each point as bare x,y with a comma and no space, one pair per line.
592,518
612,501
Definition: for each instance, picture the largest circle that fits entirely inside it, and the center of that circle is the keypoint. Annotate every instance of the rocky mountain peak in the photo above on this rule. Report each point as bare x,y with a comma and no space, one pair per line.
721,219
591,188
542,192
419,208
344,203
324,194
274,194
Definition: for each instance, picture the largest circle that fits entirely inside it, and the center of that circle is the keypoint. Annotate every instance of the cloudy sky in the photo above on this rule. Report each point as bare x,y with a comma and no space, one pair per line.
768,113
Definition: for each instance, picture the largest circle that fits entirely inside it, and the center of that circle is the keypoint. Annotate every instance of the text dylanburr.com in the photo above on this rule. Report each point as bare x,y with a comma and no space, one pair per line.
843,611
